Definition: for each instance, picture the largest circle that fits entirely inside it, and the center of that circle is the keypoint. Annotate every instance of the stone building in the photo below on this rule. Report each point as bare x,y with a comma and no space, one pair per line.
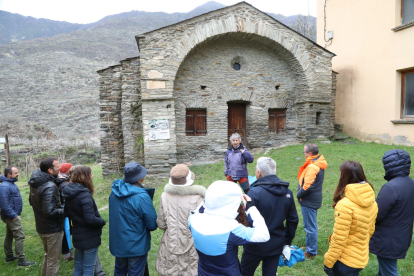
197,81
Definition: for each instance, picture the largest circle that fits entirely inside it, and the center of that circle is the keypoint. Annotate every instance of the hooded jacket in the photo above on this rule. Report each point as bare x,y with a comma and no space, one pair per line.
11,203
45,201
354,225
132,216
276,204
217,234
81,209
311,176
394,226
235,162
177,254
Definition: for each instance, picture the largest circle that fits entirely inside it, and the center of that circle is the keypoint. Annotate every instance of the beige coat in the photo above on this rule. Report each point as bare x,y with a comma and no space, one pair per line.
177,254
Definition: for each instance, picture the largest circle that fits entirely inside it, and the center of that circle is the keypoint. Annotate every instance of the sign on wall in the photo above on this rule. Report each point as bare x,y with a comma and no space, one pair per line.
159,129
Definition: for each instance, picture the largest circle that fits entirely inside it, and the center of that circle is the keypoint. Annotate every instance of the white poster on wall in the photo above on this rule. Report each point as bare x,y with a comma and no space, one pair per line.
159,129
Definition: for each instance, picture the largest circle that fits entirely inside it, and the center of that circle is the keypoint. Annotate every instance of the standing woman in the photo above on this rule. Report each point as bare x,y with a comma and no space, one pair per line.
235,162
355,214
177,254
87,223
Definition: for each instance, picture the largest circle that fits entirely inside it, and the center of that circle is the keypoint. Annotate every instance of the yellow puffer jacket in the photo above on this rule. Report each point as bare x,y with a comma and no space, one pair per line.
355,216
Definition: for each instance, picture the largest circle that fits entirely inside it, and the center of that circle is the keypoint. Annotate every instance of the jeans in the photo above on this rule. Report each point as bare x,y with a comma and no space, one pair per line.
133,266
340,269
311,227
387,267
98,267
14,229
85,261
250,262
52,245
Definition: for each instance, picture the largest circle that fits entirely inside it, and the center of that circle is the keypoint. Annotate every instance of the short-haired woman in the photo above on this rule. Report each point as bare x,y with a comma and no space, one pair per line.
235,162
355,214
87,224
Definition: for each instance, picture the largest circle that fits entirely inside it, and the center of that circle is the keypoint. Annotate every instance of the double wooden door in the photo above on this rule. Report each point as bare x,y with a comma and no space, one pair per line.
237,120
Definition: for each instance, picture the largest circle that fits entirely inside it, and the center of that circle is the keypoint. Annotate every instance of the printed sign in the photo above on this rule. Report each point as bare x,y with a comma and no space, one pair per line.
159,129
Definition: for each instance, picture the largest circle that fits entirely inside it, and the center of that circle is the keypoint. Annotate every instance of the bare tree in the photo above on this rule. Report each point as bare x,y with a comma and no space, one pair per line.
306,26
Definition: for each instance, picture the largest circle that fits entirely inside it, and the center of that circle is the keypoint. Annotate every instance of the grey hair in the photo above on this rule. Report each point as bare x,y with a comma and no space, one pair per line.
234,136
266,165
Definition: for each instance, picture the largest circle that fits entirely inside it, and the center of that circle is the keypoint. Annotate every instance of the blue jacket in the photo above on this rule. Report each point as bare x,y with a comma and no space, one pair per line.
217,239
131,218
394,224
276,204
11,203
235,162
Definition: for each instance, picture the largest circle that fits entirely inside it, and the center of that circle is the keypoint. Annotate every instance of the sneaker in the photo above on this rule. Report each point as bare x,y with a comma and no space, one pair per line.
25,263
10,259
68,257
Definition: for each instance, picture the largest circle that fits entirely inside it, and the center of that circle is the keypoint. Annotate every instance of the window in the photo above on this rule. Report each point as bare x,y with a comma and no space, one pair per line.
277,121
407,94
196,122
407,11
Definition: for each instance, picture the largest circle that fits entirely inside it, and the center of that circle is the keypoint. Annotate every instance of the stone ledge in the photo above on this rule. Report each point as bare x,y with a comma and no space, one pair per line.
403,121
402,27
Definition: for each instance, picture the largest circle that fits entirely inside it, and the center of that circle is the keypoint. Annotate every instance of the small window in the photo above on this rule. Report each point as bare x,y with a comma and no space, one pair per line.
318,118
407,11
196,122
277,121
407,94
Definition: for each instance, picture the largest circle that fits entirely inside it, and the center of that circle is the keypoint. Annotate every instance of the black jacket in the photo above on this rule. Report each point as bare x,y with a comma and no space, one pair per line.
394,225
86,221
45,201
276,204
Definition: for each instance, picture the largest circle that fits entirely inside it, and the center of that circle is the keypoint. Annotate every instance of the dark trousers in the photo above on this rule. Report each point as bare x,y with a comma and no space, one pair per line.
250,262
340,269
132,266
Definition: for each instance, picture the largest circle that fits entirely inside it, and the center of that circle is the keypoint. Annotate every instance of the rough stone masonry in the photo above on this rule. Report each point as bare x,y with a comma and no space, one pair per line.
190,66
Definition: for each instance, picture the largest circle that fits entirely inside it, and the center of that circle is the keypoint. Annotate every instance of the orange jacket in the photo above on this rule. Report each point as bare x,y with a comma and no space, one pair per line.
311,176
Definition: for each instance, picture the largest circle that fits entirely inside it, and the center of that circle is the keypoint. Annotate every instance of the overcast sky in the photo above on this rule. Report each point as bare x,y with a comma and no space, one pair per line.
88,11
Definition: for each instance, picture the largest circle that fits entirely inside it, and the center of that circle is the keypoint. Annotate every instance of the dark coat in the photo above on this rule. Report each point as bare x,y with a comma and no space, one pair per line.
235,162
81,209
394,225
11,203
276,204
45,201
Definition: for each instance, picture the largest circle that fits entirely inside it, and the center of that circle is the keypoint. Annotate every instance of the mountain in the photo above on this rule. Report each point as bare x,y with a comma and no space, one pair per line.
51,81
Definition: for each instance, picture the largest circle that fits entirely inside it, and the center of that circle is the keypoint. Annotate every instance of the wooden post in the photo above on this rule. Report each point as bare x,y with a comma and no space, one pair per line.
7,150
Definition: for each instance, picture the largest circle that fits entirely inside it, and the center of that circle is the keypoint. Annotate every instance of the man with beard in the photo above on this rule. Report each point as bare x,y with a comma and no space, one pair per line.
11,205
48,211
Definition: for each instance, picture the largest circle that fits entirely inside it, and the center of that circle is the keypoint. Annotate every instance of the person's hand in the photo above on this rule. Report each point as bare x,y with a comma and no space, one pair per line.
14,218
242,150
244,201
246,197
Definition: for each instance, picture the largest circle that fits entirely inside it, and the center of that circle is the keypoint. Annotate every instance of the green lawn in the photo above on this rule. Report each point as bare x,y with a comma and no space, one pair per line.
288,160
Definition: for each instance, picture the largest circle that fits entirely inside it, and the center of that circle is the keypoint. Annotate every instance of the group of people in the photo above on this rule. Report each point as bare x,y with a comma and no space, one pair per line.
203,229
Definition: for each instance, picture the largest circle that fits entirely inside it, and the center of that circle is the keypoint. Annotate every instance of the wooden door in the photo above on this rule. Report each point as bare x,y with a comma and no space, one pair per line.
237,120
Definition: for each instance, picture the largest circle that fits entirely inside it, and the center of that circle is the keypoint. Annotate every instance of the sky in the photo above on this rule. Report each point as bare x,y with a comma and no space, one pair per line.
88,11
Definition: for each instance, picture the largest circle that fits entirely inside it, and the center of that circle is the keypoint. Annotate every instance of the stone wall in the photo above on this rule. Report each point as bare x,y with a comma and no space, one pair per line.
120,116
211,64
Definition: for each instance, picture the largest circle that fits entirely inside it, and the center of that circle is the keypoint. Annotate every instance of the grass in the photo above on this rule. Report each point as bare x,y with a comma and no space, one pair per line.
288,159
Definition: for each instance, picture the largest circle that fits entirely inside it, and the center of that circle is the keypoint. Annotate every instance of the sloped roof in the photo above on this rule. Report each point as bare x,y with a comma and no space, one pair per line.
228,7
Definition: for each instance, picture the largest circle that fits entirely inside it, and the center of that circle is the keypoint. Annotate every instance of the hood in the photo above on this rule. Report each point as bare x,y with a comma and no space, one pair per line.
223,198
73,189
240,147
272,184
361,194
320,162
122,189
396,163
38,178
3,179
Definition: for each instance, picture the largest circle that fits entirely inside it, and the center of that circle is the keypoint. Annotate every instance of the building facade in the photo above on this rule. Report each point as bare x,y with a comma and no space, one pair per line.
375,61
200,80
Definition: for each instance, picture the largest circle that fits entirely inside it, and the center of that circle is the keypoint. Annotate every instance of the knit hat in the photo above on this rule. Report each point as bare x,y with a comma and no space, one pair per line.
223,198
180,175
65,167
